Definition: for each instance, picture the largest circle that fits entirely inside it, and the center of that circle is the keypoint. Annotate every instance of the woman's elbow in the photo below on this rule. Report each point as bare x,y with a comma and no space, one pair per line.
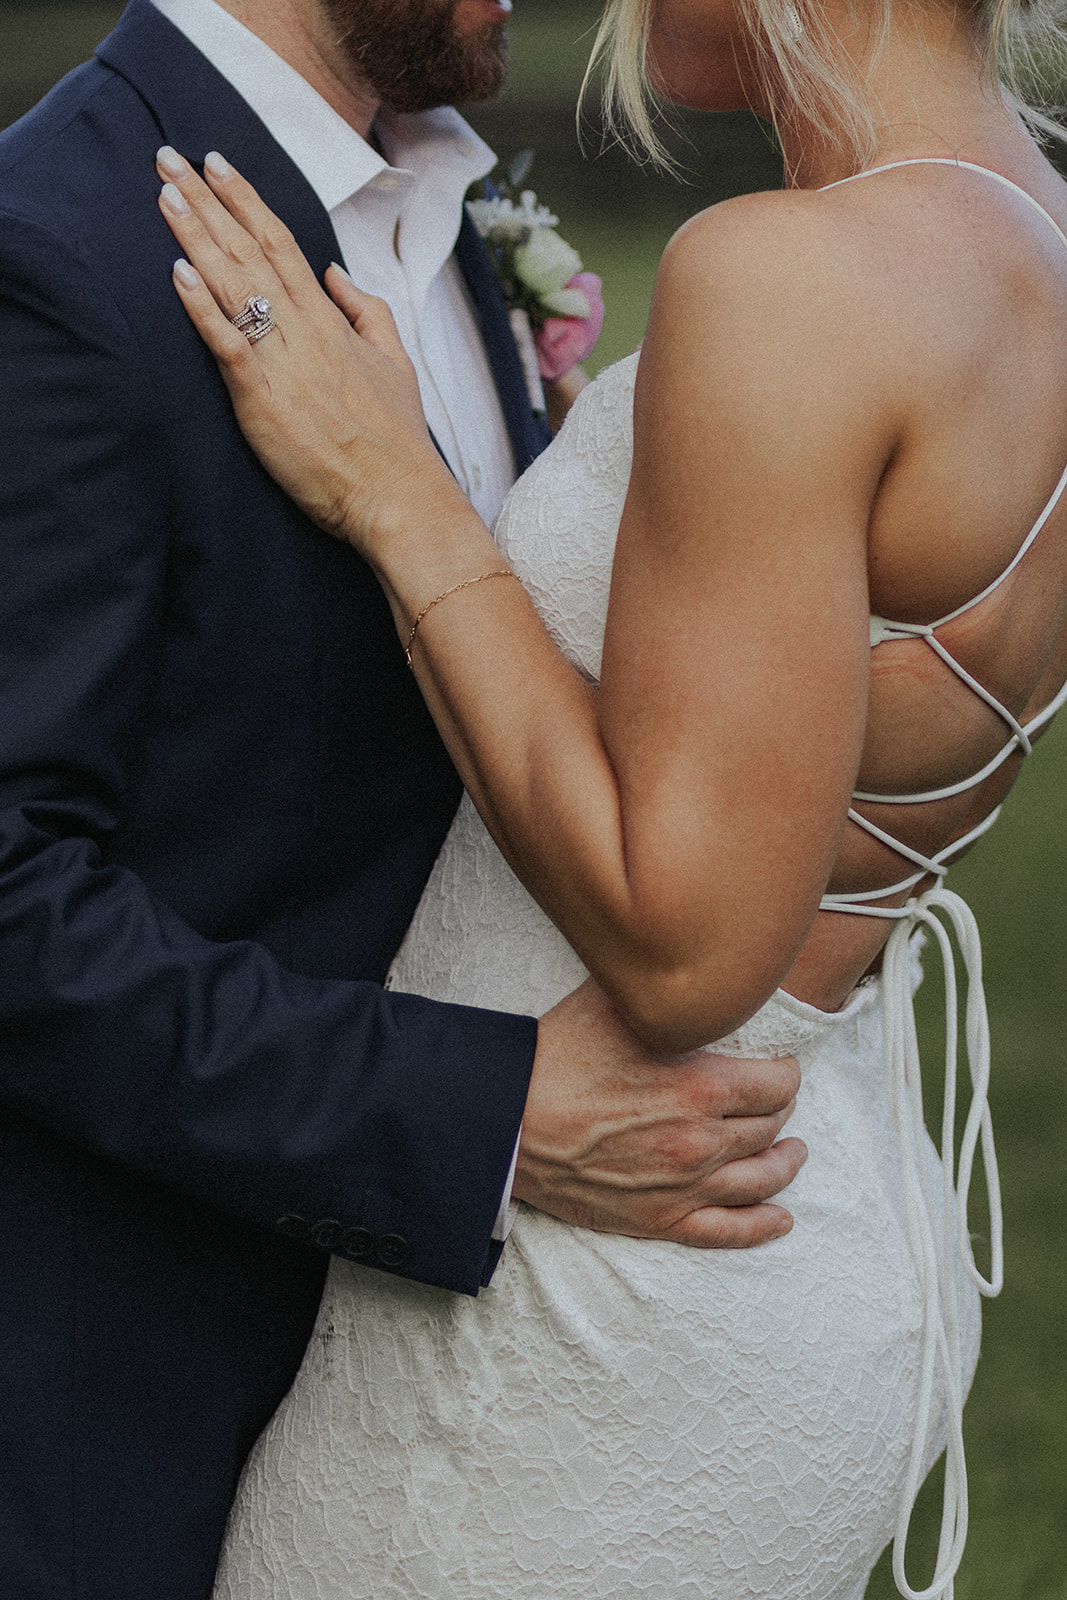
677,1008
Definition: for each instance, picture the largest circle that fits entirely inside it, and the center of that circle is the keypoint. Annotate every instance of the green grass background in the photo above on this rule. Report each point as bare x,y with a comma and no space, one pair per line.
619,218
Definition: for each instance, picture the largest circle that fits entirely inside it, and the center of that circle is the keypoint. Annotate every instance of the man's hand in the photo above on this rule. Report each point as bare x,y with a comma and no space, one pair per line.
679,1148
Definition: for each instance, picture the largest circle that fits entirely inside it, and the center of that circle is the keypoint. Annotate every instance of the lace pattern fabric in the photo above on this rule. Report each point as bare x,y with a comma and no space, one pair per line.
613,1417
619,1417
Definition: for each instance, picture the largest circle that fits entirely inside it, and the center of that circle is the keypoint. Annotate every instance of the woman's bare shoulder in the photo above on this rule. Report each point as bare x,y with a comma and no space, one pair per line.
773,272
774,292
929,235
901,277
788,240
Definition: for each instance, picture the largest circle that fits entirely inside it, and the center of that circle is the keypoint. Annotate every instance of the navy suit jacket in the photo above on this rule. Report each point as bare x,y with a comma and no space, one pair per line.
220,797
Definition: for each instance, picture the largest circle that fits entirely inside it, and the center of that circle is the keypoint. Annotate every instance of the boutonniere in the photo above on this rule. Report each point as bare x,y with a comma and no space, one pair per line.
556,308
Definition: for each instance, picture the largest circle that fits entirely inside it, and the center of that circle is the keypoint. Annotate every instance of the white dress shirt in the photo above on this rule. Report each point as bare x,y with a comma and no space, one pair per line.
396,223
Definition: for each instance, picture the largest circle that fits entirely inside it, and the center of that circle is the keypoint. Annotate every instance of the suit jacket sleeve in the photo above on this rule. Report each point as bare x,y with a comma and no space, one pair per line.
328,1108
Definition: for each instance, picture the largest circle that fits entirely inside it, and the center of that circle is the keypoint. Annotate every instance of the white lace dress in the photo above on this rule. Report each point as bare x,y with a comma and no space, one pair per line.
611,1417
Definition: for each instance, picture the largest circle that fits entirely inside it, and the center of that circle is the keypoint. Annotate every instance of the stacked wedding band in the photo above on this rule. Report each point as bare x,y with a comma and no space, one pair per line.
255,321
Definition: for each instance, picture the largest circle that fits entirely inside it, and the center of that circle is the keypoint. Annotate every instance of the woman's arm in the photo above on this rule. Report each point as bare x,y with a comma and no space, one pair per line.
679,827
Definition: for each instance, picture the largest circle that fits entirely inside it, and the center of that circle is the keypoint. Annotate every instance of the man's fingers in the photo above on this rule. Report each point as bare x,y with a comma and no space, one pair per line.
692,1151
682,1149
734,1087
749,1180
731,1227
734,1138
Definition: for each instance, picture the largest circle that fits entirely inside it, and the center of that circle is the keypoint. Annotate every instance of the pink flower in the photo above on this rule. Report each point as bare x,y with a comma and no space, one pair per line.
563,341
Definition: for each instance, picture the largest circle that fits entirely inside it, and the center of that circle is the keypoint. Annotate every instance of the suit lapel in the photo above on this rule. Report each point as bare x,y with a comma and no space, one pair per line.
198,110
529,432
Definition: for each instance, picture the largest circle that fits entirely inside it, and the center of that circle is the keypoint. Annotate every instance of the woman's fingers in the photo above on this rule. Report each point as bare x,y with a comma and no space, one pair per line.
259,222
325,393
227,259
370,317
227,344
237,244
244,228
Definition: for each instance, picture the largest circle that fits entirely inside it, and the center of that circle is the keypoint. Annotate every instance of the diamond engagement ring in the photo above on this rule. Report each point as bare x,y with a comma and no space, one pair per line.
255,321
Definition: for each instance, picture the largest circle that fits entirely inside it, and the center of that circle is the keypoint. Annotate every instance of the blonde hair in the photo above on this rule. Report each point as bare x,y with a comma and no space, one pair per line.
1021,42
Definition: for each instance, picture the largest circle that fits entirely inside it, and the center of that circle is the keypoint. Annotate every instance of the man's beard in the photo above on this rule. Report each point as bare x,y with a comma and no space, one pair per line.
409,53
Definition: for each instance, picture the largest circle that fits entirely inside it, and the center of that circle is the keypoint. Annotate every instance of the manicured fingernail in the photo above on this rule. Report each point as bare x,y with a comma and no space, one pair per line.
174,201
169,161
185,274
218,166
337,267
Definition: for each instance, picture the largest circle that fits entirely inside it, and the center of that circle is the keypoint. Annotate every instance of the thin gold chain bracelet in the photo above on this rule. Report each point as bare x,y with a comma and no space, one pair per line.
498,572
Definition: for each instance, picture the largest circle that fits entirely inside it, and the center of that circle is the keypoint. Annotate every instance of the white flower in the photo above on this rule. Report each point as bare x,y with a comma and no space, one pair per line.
537,216
567,303
541,278
500,219
545,263
496,219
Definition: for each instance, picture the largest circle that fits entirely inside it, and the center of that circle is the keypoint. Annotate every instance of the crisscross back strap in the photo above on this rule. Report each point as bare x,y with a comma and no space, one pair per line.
883,629
939,1235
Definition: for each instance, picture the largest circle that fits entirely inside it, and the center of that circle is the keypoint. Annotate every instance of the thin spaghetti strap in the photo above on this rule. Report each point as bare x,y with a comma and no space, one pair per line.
965,166
1050,505
1053,501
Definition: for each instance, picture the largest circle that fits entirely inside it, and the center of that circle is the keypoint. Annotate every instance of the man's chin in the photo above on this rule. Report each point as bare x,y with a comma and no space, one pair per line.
494,68
418,54
477,74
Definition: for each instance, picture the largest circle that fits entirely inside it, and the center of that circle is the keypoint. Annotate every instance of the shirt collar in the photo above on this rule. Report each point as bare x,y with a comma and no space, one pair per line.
332,156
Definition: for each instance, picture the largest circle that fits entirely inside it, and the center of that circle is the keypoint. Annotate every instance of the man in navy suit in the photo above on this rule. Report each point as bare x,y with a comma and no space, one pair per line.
220,797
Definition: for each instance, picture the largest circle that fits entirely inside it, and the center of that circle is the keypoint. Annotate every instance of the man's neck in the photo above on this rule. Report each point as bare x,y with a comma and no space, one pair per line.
301,33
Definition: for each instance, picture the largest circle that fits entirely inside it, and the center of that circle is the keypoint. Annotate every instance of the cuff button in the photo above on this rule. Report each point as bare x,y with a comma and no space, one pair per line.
392,1250
326,1233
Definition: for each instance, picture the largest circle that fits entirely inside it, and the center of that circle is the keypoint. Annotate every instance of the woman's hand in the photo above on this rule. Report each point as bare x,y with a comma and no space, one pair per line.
328,399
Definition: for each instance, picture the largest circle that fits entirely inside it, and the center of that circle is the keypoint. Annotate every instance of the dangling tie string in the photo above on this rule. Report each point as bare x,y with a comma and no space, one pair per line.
935,1248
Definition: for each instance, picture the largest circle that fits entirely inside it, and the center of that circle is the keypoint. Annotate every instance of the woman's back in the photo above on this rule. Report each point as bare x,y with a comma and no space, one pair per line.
746,1424
896,346
968,530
